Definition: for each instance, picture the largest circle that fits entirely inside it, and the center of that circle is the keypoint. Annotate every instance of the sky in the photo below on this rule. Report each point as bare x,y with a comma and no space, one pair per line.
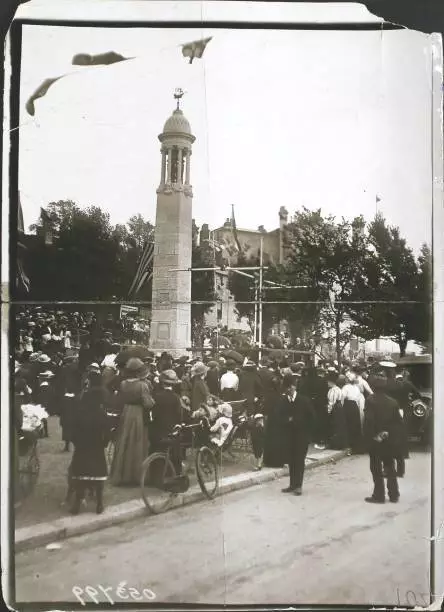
324,120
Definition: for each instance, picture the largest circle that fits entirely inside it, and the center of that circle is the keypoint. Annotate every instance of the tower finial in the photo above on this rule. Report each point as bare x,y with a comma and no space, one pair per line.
178,93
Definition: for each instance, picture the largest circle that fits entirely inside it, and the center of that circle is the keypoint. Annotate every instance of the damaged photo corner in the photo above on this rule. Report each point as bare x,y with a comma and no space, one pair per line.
223,269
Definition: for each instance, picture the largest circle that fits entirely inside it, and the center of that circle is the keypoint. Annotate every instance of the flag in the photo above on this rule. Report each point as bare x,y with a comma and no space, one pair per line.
39,93
234,230
144,270
20,221
22,280
81,59
101,59
378,199
195,48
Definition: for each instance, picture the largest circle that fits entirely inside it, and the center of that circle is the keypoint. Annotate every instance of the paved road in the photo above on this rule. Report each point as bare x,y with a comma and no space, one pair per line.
257,546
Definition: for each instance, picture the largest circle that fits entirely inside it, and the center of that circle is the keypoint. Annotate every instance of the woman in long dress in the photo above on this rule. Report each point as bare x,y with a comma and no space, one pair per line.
338,424
353,402
132,443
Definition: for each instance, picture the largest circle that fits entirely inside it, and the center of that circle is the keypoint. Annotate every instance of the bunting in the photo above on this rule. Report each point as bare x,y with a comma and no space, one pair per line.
195,49
22,281
101,59
144,271
81,59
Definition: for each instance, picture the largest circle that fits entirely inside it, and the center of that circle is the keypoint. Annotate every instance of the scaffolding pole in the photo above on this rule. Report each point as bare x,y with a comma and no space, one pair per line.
260,297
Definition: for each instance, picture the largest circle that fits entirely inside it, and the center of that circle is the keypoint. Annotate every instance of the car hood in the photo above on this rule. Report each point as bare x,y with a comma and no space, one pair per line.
426,394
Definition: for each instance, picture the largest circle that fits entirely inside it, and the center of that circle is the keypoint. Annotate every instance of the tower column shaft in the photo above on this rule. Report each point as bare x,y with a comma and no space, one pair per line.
162,178
179,166
187,166
170,159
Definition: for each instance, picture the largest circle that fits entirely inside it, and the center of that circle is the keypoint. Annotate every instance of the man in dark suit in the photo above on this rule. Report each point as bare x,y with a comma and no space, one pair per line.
297,419
383,436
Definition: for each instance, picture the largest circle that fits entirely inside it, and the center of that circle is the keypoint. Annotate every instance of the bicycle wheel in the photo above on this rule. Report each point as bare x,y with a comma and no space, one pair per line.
156,469
207,471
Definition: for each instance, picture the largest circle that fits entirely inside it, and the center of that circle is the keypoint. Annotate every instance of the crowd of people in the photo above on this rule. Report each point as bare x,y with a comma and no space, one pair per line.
287,405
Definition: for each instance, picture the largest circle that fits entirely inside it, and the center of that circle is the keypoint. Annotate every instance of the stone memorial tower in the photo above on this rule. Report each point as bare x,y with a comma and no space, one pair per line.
171,293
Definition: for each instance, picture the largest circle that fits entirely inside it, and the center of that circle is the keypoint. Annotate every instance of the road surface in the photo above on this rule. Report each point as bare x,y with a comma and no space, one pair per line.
256,546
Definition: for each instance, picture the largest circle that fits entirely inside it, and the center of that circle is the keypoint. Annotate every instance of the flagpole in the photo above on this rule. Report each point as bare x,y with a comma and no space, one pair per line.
255,311
215,291
260,296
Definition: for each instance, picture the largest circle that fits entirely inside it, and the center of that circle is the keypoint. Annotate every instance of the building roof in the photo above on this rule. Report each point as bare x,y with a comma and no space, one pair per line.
177,124
241,229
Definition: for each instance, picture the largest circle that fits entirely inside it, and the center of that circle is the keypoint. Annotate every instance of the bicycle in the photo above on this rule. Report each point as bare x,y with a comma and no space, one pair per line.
162,479
28,462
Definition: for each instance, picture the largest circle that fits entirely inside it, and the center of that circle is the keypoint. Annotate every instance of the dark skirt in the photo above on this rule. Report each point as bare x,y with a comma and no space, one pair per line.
354,428
89,463
338,428
131,447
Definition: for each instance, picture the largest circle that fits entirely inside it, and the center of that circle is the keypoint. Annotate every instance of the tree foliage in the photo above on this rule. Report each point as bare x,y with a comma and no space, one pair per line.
91,259
399,284
362,280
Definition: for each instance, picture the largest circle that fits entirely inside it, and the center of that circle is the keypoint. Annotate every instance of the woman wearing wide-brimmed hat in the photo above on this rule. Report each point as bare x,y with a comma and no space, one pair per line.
199,388
132,438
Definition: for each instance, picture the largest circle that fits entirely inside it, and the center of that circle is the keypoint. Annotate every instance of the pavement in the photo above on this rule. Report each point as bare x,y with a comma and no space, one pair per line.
43,519
254,546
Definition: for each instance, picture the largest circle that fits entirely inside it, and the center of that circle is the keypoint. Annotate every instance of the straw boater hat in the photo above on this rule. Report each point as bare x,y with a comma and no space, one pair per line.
169,377
42,358
47,374
135,368
387,364
199,369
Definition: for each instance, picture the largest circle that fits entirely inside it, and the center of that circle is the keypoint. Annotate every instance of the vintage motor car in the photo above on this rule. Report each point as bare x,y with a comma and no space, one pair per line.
420,374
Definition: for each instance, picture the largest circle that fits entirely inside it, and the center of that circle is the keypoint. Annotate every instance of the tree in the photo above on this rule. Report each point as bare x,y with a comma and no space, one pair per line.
81,262
330,255
395,290
423,331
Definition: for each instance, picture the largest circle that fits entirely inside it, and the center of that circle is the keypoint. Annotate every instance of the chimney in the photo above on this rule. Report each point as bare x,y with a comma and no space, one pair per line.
204,232
283,220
